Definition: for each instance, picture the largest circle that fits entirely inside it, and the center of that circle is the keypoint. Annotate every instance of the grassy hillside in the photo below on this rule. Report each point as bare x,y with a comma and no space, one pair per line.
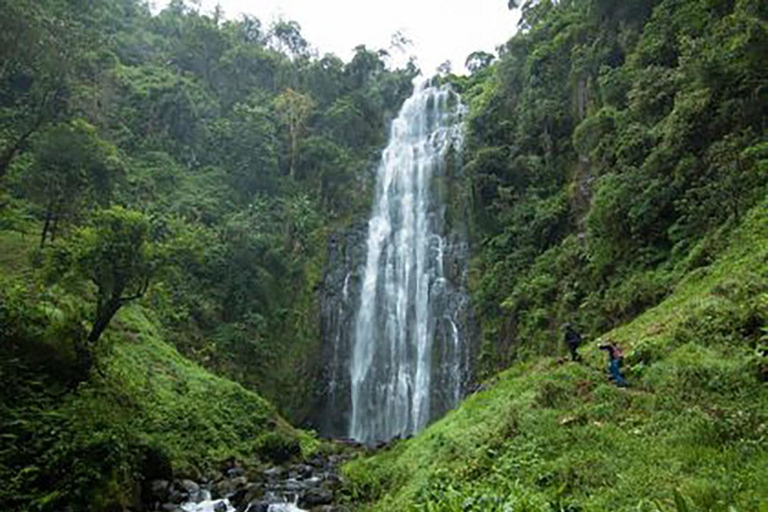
70,443
690,433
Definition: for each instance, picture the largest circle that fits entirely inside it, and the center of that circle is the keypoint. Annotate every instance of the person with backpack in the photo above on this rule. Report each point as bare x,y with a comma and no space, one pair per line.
615,357
573,339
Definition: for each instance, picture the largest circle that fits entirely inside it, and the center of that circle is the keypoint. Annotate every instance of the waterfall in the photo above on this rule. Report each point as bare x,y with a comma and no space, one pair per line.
404,319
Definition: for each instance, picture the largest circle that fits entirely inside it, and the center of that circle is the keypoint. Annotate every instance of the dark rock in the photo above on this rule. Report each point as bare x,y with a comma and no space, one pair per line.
315,497
235,472
332,481
275,472
176,495
239,482
238,497
223,488
257,506
253,492
171,507
190,487
292,485
160,490
314,481
303,470
220,507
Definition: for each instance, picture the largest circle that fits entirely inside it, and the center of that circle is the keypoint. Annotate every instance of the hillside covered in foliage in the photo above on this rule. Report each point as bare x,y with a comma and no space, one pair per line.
612,150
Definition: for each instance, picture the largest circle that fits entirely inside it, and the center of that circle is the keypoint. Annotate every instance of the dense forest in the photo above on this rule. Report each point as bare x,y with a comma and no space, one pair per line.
170,184
189,163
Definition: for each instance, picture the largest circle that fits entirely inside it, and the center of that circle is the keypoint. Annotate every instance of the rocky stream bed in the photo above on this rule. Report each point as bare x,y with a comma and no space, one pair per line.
312,485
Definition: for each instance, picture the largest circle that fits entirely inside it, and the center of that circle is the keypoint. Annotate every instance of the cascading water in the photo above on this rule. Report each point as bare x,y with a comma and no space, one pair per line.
406,338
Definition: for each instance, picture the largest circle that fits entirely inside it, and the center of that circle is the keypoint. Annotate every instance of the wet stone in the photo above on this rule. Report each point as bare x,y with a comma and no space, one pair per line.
315,497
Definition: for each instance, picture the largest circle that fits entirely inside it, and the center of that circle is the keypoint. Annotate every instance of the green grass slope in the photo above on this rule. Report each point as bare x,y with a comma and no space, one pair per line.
690,434
146,413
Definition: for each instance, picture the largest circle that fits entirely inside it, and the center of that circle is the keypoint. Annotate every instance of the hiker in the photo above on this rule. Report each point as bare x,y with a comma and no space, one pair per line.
615,355
573,339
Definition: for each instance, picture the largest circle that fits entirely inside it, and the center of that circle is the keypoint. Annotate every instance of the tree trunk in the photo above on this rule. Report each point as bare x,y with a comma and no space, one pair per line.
10,152
103,317
291,170
46,227
54,228
85,360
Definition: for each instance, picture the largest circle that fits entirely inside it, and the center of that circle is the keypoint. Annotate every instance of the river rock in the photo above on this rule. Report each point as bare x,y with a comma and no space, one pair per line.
313,481
160,490
292,485
253,492
274,473
189,487
315,497
256,506
302,471
332,481
235,472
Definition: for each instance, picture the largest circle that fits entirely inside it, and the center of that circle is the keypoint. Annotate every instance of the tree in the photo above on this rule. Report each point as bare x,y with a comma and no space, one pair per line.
246,144
364,66
294,109
115,254
479,60
39,48
286,37
71,163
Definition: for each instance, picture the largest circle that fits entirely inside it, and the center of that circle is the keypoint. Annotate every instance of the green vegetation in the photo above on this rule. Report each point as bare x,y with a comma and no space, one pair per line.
617,164
611,148
164,180
147,412
547,435
239,148
169,184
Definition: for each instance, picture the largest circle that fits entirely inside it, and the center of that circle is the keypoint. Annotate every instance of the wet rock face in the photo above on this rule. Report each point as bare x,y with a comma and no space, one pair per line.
311,485
340,300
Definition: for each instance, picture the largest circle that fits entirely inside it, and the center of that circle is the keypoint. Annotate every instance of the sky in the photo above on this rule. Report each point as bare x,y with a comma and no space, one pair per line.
440,29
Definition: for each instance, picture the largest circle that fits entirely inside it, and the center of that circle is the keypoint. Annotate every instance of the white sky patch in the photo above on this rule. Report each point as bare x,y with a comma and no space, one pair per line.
440,29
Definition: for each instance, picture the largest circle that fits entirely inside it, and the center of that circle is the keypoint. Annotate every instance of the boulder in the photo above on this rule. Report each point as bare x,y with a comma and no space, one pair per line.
332,481
314,481
239,482
273,473
253,492
189,487
235,472
315,497
238,497
302,471
256,506
160,490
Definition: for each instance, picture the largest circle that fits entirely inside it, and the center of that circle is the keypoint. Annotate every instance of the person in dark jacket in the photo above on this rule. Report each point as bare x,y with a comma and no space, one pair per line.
573,339
615,355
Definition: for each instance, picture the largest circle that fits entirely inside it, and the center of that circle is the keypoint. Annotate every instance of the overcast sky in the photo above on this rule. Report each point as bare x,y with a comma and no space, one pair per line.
440,29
